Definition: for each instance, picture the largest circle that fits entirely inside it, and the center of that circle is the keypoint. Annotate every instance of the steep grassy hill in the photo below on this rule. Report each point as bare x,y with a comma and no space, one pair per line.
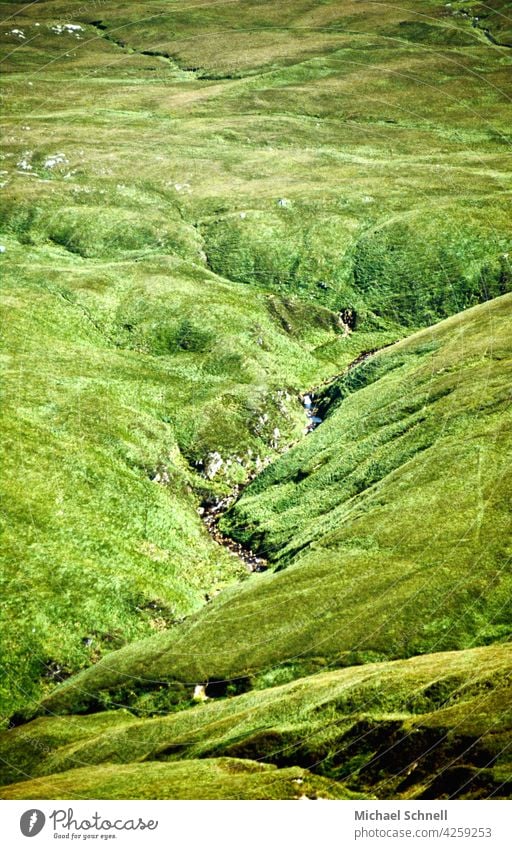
208,209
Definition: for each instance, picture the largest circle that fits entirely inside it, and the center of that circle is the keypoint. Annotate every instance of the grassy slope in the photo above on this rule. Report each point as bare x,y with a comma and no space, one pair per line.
398,501
425,423
421,727
157,296
125,355
217,778
90,418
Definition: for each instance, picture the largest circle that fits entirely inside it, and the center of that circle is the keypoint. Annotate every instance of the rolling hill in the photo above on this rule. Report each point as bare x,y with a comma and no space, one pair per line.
209,210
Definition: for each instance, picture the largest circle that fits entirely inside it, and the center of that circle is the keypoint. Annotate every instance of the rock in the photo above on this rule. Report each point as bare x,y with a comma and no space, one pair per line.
213,465
24,163
200,693
347,320
276,436
162,477
57,159
71,29
348,316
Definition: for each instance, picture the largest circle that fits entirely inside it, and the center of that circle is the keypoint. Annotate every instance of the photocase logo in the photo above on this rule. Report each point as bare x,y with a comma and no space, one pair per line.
32,822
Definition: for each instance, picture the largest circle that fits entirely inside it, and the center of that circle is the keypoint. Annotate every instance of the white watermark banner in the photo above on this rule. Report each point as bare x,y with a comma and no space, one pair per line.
262,825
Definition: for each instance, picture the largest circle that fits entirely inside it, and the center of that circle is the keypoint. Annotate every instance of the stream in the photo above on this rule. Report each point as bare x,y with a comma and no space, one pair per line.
212,510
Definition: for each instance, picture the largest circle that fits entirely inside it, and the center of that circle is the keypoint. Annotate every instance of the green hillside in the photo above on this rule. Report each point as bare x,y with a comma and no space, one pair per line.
91,420
207,211
431,726
399,502
216,778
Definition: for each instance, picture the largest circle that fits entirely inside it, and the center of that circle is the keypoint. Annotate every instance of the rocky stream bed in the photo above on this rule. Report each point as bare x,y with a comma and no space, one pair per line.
212,509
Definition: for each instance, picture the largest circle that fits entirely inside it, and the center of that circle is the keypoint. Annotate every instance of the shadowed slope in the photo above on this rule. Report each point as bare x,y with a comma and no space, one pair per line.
409,728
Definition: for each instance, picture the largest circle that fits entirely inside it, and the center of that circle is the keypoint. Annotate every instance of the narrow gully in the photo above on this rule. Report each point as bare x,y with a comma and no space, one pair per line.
212,510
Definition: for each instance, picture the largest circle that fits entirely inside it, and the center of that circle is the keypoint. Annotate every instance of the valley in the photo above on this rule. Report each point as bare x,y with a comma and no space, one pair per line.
256,414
